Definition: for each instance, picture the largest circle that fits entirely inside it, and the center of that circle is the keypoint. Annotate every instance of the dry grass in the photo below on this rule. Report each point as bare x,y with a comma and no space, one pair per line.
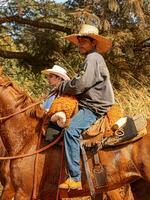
134,96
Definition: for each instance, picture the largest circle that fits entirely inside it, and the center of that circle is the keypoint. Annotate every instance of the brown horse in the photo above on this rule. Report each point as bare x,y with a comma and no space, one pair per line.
8,191
20,135
123,193
138,190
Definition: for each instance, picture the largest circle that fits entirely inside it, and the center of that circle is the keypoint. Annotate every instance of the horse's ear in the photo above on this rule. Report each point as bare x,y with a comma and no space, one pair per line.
1,70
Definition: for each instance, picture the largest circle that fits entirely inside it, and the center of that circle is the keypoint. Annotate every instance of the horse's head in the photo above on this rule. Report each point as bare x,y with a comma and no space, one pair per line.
12,99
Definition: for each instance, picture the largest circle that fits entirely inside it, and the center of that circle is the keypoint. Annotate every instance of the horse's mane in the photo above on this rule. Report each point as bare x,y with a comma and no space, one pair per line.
23,99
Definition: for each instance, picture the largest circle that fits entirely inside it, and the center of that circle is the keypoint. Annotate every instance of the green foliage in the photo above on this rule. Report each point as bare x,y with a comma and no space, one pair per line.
125,22
39,43
34,84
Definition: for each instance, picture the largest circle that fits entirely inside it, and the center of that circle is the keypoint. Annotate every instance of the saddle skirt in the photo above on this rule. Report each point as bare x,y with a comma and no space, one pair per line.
106,122
114,129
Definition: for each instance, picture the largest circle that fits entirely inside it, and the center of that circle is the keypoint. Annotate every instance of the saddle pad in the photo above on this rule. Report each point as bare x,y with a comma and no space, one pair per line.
116,141
134,129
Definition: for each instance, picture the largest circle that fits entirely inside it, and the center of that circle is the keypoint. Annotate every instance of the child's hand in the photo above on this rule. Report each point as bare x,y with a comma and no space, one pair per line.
59,118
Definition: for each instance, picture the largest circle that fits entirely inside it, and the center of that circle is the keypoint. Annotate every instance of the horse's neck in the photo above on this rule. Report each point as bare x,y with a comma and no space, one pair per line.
20,130
18,133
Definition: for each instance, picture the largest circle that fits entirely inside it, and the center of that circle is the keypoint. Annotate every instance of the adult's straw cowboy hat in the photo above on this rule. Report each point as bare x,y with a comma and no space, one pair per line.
103,44
57,70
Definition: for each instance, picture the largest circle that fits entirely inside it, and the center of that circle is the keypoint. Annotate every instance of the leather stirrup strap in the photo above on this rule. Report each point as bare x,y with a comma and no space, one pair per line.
61,170
87,170
96,159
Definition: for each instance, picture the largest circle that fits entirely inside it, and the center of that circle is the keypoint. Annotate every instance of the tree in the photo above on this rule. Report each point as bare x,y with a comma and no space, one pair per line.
33,29
31,26
36,29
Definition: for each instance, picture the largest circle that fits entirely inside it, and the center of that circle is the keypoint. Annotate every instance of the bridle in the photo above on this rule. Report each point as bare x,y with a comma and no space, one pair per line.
34,195
5,85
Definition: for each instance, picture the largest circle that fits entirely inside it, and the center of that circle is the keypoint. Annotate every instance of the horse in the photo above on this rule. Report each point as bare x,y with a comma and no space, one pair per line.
8,191
20,133
123,193
138,190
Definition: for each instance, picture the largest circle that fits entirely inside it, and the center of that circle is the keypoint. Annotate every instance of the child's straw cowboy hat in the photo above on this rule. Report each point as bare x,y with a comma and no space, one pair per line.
103,44
58,71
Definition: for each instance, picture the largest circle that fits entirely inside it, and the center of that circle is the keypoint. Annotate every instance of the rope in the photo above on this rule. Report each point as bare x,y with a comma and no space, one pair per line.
35,152
20,111
35,193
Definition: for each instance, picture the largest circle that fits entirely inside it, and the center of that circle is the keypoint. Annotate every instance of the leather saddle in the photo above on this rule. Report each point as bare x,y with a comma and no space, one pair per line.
114,129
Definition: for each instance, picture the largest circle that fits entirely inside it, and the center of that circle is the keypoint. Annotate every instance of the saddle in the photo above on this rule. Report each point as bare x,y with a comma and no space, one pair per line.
111,130
114,129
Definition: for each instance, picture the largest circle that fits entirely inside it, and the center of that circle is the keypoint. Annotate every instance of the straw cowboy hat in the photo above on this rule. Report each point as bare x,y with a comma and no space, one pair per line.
57,70
103,44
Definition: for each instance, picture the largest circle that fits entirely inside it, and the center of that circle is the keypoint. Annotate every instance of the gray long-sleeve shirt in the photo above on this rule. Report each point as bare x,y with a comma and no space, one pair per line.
93,89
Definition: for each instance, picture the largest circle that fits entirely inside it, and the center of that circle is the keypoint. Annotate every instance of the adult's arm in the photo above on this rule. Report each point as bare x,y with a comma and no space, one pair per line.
91,76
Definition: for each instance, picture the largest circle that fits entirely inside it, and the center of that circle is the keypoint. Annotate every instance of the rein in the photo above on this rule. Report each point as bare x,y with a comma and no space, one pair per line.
35,152
35,192
20,111
6,84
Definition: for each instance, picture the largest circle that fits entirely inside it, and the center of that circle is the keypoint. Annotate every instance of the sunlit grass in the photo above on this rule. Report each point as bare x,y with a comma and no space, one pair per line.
134,96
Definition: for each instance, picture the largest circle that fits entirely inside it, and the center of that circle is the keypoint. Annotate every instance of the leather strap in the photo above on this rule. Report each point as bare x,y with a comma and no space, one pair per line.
35,152
87,170
96,159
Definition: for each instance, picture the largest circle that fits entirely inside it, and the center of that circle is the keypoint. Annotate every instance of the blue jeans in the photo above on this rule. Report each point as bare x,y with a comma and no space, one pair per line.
81,121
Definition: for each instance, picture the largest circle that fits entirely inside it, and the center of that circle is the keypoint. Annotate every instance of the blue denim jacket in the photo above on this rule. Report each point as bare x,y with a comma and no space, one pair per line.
49,100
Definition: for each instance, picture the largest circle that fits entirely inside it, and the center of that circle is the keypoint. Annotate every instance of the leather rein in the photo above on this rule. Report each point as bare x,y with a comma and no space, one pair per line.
35,152
35,191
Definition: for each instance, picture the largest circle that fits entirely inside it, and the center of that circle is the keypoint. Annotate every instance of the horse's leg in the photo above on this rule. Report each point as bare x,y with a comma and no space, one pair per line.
22,173
99,196
8,190
7,193
21,195
140,190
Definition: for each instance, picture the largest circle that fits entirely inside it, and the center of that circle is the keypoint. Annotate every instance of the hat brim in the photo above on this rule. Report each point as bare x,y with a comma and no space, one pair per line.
50,71
103,44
